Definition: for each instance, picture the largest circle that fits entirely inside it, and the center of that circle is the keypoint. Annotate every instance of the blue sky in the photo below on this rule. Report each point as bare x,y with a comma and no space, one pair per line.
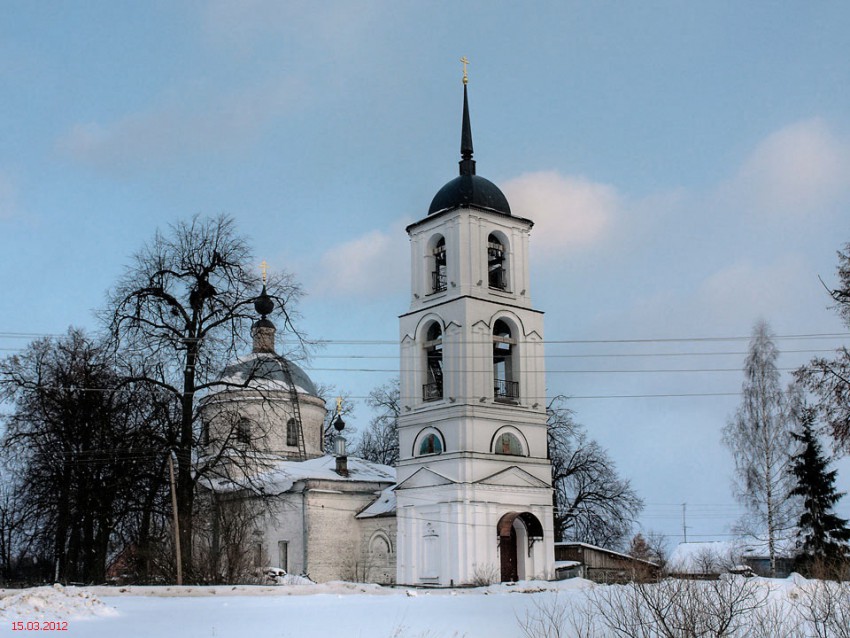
687,166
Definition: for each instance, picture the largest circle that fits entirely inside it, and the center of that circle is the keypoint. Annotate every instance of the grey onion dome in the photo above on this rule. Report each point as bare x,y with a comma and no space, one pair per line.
265,367
469,189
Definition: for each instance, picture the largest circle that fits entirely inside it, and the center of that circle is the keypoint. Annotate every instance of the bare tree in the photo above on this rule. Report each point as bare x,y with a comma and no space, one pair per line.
181,310
652,547
338,403
229,536
17,519
379,443
78,441
825,606
759,437
593,504
829,379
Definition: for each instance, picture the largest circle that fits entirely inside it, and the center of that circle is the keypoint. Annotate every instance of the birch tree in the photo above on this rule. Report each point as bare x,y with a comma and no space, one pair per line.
759,437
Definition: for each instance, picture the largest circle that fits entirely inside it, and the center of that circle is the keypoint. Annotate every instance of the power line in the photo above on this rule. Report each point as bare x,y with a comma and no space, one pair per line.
331,341
457,398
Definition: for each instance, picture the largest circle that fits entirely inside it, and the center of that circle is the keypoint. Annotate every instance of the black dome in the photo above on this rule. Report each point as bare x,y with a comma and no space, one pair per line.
264,305
470,190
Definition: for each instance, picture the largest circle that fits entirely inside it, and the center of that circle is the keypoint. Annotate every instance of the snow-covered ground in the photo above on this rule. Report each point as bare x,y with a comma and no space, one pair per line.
344,610
302,611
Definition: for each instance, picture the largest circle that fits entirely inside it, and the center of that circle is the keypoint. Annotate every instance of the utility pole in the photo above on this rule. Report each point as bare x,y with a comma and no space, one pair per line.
685,521
177,552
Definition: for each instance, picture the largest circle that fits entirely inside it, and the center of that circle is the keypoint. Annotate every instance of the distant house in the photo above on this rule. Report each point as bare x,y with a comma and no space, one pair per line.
707,560
599,564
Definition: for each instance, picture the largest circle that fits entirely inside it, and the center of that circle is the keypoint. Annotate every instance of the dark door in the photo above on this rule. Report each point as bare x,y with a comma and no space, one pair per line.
507,551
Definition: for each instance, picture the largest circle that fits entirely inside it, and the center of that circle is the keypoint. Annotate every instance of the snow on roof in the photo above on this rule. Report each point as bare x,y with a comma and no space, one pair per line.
384,505
605,550
713,556
282,475
753,547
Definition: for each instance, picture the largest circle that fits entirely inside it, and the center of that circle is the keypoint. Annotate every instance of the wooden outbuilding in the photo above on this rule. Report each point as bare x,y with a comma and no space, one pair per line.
601,565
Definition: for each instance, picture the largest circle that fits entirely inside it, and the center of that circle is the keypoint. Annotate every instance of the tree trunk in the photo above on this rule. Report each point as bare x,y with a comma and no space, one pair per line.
185,481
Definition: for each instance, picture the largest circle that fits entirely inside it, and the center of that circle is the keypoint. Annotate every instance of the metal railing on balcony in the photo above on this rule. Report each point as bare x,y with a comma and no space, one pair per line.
507,391
432,391
438,281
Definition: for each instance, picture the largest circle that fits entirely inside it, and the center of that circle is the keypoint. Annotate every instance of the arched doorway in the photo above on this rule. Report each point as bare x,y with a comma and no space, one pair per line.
518,531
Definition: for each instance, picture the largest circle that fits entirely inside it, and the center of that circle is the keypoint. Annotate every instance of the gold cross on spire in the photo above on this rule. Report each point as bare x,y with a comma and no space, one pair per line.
464,61
264,269
339,405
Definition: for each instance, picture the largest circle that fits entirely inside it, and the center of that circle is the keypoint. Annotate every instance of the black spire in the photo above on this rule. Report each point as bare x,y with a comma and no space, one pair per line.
467,164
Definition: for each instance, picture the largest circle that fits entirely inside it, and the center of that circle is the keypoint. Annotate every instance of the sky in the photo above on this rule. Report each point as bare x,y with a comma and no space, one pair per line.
686,165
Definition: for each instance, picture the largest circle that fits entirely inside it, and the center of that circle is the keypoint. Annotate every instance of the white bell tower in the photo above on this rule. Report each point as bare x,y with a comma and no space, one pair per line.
474,482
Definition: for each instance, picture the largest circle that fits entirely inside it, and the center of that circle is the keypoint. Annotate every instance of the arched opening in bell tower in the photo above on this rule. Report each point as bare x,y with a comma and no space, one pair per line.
505,383
497,271
438,264
432,389
518,532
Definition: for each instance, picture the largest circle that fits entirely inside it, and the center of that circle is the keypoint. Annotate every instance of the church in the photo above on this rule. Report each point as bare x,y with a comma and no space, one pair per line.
471,497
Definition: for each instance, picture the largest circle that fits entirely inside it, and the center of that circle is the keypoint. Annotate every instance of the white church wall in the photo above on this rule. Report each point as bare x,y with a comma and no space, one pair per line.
334,535
285,525
267,413
451,535
378,547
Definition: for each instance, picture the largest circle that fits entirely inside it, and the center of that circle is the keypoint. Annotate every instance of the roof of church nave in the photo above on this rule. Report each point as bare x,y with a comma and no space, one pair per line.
281,475
469,189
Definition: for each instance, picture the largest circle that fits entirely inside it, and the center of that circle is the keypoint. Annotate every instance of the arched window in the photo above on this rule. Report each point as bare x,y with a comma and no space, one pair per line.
432,389
497,273
380,545
508,443
505,386
292,432
438,274
430,444
243,431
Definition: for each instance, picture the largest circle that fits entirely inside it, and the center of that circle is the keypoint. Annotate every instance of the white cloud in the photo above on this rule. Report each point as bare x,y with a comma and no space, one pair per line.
567,211
731,299
191,125
798,170
372,265
746,290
